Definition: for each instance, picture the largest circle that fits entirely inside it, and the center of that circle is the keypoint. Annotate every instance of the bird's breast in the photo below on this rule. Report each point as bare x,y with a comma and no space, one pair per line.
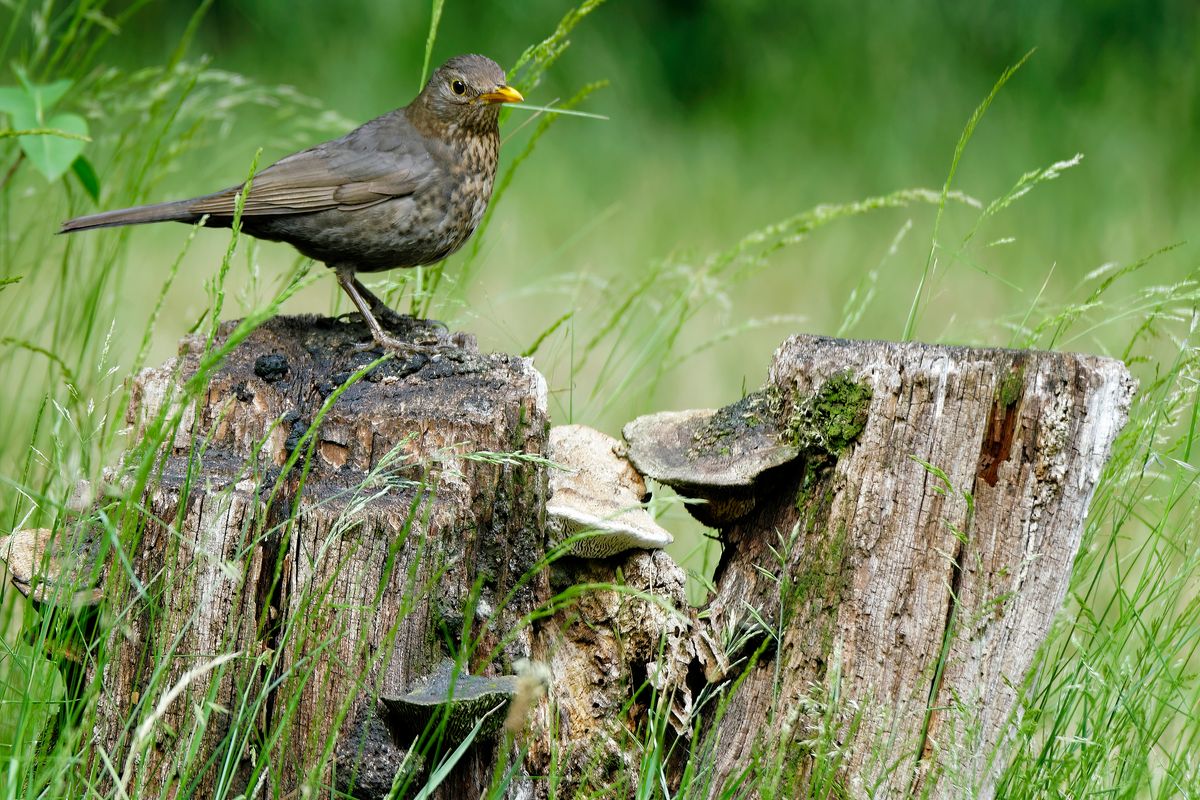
472,177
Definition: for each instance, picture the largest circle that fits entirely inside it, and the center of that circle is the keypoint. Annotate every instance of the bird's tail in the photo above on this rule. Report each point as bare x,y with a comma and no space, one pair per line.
175,211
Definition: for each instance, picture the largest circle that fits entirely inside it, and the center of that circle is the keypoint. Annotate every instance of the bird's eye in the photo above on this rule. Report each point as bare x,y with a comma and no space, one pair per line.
458,87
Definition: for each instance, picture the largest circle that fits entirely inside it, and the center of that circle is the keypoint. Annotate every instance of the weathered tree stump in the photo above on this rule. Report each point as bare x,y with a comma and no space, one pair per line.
898,522
895,579
332,582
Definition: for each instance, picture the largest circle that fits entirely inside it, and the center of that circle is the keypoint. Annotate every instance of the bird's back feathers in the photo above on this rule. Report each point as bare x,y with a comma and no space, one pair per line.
355,171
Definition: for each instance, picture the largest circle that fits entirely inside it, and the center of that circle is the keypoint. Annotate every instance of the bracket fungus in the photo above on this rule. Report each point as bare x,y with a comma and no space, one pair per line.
53,569
718,456
59,571
597,492
449,690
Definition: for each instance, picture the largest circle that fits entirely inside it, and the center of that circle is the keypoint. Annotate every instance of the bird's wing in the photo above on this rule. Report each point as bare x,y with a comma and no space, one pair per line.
351,172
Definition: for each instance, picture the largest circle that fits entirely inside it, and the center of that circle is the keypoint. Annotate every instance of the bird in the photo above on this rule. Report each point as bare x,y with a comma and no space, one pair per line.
405,189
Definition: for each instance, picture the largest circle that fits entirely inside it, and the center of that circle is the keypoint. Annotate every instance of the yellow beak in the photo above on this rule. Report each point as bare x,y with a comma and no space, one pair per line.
502,94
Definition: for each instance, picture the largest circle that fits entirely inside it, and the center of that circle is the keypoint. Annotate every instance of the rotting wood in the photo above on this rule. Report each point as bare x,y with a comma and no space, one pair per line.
334,582
913,574
605,653
884,591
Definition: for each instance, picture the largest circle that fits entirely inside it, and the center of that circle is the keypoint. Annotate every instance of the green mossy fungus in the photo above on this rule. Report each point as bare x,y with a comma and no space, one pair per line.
1012,387
830,420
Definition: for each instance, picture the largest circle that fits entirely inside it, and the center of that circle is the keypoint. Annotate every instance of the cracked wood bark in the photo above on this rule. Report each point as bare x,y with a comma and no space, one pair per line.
921,597
332,584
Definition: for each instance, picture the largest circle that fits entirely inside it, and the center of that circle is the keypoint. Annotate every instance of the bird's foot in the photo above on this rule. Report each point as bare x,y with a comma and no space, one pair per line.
395,321
386,314
392,319
401,347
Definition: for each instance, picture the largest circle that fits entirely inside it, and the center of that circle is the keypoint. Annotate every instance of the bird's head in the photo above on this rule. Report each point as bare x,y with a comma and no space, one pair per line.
466,92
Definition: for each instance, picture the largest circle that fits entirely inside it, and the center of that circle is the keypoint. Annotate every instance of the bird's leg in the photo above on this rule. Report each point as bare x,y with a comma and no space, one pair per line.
346,279
380,309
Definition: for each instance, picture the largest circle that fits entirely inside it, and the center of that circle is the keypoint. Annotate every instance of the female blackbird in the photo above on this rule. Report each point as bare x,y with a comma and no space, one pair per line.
403,190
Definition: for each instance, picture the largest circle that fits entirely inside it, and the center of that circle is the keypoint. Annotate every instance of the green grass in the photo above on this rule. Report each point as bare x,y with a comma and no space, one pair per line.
631,258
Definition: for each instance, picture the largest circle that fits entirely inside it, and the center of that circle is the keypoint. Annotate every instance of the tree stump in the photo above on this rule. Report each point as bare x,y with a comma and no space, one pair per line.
329,580
905,574
898,524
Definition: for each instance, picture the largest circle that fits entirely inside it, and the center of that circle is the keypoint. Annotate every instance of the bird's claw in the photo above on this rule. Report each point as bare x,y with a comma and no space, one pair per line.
400,347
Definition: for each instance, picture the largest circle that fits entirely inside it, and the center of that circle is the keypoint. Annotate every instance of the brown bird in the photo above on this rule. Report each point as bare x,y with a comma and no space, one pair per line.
403,190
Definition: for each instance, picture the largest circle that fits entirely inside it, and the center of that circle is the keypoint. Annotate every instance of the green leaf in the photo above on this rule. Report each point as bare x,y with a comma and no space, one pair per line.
53,155
14,100
24,115
46,96
29,103
87,177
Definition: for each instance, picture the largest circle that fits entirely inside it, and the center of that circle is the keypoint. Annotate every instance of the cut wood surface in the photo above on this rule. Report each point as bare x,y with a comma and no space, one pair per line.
884,589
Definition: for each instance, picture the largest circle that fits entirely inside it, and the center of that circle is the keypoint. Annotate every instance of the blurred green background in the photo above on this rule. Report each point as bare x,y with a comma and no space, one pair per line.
724,116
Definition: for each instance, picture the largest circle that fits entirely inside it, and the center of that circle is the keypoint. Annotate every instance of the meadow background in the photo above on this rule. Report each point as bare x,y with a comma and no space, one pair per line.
637,254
